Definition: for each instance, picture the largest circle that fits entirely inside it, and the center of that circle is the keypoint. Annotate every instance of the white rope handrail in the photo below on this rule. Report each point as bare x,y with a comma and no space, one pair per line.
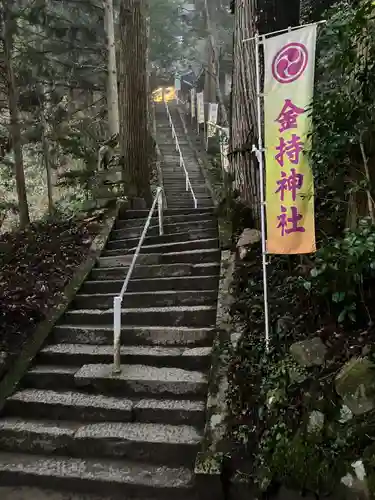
182,161
117,301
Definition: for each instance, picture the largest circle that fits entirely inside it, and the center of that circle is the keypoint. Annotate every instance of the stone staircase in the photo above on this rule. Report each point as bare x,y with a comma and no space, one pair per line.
173,173
73,425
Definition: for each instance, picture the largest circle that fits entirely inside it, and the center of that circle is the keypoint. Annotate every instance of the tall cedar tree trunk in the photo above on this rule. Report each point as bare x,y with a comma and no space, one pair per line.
112,92
9,30
133,99
251,17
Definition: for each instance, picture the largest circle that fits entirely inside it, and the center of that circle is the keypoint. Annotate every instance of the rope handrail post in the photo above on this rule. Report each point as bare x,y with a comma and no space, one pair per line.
117,301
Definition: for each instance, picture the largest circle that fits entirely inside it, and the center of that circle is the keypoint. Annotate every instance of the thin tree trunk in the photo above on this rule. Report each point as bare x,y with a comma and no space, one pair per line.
9,28
133,99
45,108
112,92
212,85
47,163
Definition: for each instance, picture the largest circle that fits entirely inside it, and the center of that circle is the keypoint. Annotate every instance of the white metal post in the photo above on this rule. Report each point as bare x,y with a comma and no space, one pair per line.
259,155
160,213
117,334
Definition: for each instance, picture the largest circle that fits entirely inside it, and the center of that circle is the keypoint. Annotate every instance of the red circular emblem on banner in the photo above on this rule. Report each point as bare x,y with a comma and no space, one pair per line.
290,62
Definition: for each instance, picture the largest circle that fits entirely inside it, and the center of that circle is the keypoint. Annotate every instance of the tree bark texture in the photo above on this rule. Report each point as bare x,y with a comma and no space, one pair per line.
133,99
9,28
112,92
251,17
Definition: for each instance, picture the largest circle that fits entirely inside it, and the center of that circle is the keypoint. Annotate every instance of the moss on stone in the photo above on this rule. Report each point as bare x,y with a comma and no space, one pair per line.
209,463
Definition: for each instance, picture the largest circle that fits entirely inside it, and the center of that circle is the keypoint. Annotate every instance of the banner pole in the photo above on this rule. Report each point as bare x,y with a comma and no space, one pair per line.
259,154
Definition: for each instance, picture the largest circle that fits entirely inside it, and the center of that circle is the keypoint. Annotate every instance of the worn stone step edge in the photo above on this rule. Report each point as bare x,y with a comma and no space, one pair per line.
168,228
194,234
135,380
107,476
156,298
157,251
153,284
150,442
190,216
163,336
209,242
137,214
99,408
195,256
181,269
202,315
190,358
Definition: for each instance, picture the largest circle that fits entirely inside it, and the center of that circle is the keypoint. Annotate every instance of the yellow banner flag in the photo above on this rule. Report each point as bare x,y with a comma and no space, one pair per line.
288,91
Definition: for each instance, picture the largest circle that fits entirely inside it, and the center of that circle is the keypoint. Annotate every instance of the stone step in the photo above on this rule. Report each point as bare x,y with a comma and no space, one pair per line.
135,335
143,381
159,298
153,443
200,255
167,247
116,478
174,196
190,216
139,214
165,238
139,381
188,358
136,231
181,269
194,316
198,187
50,377
80,406
154,284
176,175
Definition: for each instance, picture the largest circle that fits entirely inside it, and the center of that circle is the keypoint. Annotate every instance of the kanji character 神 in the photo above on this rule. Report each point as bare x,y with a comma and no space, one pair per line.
289,224
291,183
288,116
291,148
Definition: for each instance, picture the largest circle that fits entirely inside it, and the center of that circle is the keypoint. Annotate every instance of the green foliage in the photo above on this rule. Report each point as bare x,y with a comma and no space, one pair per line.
344,269
303,461
344,113
170,34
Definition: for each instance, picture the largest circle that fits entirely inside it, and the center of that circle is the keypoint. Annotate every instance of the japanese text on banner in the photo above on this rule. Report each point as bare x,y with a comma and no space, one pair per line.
288,89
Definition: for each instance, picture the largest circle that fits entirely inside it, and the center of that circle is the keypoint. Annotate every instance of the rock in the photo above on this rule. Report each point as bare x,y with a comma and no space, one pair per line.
309,352
356,483
355,384
316,421
249,237
242,252
345,414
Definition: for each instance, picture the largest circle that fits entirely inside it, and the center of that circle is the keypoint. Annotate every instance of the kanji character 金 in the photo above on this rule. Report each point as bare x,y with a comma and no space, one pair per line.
288,116
289,224
290,183
292,149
